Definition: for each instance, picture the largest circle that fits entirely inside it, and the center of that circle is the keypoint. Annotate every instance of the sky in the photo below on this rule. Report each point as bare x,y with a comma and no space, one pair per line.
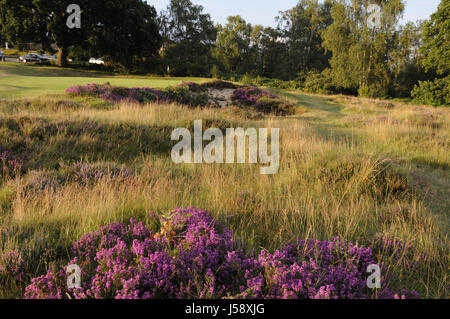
264,11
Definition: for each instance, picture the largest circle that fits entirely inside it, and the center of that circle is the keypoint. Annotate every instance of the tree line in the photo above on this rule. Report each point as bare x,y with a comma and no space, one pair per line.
331,46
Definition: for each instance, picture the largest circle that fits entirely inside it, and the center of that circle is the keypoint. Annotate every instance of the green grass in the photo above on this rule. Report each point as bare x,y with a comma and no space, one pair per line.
349,167
18,80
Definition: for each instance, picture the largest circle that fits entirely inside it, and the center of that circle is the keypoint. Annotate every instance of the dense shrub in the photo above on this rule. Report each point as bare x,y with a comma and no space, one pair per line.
91,173
249,95
219,84
321,83
193,87
274,106
194,256
435,92
262,101
10,165
373,91
12,266
38,181
180,94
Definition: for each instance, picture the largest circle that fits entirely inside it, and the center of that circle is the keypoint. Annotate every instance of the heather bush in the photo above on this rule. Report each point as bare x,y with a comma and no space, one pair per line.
12,266
10,165
262,101
219,84
249,95
193,87
38,181
91,173
180,94
274,106
191,255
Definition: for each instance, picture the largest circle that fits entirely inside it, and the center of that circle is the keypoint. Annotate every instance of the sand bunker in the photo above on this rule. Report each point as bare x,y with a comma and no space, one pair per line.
221,96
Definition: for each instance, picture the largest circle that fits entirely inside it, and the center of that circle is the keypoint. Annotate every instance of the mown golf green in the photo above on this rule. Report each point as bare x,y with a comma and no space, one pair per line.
31,80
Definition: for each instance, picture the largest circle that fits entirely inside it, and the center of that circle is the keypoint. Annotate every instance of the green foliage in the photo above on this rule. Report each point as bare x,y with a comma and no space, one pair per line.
146,96
322,82
183,95
435,92
302,27
188,35
360,53
233,50
436,42
123,42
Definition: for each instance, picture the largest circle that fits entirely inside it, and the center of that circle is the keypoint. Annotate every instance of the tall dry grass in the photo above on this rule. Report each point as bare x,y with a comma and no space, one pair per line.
340,175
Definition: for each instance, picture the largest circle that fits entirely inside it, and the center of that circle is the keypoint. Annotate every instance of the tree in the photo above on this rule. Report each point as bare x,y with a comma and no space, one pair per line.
121,30
269,50
405,60
124,32
188,36
361,52
436,58
301,30
233,50
436,40
20,23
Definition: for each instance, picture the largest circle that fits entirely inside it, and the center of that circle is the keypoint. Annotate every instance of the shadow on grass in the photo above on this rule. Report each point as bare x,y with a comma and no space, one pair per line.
44,144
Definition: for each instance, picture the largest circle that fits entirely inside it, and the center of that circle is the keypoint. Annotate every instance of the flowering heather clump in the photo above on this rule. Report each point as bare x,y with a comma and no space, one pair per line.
193,256
87,174
12,266
249,95
263,101
185,94
10,165
403,251
38,181
115,94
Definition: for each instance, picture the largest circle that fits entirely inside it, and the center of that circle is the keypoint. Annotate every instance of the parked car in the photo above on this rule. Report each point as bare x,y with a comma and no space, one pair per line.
96,61
32,57
50,57
2,56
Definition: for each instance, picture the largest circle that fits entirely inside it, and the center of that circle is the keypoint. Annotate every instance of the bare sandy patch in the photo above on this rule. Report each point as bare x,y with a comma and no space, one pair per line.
221,96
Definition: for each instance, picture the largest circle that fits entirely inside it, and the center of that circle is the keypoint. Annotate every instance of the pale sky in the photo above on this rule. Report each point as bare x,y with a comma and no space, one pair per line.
264,11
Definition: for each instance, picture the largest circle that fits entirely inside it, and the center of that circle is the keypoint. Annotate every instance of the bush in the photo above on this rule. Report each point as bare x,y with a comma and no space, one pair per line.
249,95
193,256
435,92
219,84
321,83
10,165
373,91
274,106
146,96
262,101
192,86
188,94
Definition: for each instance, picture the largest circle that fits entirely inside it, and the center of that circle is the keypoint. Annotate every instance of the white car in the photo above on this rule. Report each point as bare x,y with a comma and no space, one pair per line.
96,61
50,57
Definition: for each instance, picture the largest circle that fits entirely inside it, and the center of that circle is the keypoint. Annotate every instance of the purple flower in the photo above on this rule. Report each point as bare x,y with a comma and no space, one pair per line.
194,256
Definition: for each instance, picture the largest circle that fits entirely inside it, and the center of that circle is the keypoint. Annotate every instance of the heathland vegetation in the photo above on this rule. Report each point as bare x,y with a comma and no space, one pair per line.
372,172
87,177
